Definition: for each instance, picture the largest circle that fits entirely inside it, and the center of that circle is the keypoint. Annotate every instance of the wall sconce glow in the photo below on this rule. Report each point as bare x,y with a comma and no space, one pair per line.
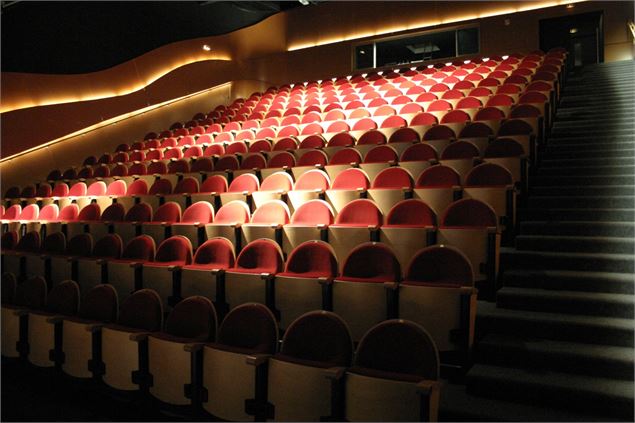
505,57
395,70
414,68
485,59
430,66
292,85
631,26
364,75
319,81
448,64
349,77
333,79
380,73
467,61
305,83
206,47
573,30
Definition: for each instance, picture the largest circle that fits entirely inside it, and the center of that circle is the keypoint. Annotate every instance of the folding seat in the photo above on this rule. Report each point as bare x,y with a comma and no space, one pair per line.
89,269
131,225
341,160
260,146
85,173
113,213
379,158
349,184
251,163
241,188
305,283
125,273
274,187
438,136
163,274
461,156
160,227
69,174
251,279
228,221
135,191
9,240
418,157
62,301
314,346
308,186
78,189
309,160
285,144
363,295
267,222
17,299
472,226
26,215
66,215
394,359
493,184
438,186
210,190
193,221
312,141
64,266
174,353
390,186
511,155
13,261
79,350
10,215
88,215
183,191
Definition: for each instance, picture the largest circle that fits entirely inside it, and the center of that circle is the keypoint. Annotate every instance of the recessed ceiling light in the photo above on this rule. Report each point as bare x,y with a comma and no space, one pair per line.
206,47
430,66
380,73
448,64
414,68
505,57
362,52
485,59
573,30
364,75
466,61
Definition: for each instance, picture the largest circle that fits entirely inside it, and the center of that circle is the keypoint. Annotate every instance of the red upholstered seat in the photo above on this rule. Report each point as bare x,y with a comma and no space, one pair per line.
346,156
381,154
439,132
254,161
215,253
227,162
138,187
371,137
469,213
460,150
343,139
232,212
77,190
274,212
359,213
438,176
214,183
419,152
504,147
278,181
393,178
488,175
313,158
371,262
439,265
404,135
349,179
246,182
311,259
161,187
410,213
260,256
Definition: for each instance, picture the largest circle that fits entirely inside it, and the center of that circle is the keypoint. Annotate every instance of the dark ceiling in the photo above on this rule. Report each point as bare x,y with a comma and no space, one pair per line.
85,36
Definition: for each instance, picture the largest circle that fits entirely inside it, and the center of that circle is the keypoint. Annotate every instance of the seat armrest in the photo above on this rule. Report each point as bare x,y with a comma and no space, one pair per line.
20,312
257,359
54,319
193,347
174,268
325,281
94,327
335,373
136,265
218,272
139,337
266,276
391,285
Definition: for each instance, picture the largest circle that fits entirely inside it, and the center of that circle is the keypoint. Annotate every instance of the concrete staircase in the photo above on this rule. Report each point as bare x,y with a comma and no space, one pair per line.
557,344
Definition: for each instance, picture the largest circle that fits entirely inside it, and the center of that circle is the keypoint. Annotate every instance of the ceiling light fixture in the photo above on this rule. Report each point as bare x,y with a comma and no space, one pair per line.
206,47
304,2
573,30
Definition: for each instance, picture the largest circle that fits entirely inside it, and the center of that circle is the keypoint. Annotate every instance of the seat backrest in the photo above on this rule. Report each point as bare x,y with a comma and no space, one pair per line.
233,212
49,212
217,253
404,135
141,212
399,347
177,249
9,240
372,260
137,169
460,150
313,179
393,178
254,161
411,212
168,212
245,182
117,188
214,183
161,187
69,213
80,245
77,190
346,156
202,164
250,327
199,212
313,158
439,132
138,187
313,212
476,130
140,248
13,212
29,243
514,127
64,299
193,318
320,338
227,162
108,246
44,190
315,258
360,212
372,137
157,168
100,304
142,310
60,190
281,160
278,181
440,264
54,243
504,147
438,176
28,191
469,212
262,256
342,139
114,213
32,293
351,179
8,285
273,212
419,152
90,213
30,212
186,185
488,175
179,166
313,141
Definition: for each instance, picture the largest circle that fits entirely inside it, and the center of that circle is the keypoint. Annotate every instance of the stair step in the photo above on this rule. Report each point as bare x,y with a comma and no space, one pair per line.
594,124
570,302
590,228
620,263
575,191
598,148
584,162
456,405
576,215
587,244
570,280
555,326
568,357
584,202
556,152
572,392
598,170
577,180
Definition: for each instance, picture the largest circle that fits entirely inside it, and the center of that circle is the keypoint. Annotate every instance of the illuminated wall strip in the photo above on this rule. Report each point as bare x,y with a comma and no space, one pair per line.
109,94
386,31
113,120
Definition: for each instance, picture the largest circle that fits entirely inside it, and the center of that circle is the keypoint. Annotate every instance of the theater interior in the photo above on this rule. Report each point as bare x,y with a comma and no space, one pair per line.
318,211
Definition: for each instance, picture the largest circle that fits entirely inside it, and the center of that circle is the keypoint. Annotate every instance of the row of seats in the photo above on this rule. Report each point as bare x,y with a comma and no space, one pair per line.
408,226
232,372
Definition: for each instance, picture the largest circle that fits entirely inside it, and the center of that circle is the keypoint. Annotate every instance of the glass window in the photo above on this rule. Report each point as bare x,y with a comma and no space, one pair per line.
467,41
364,56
